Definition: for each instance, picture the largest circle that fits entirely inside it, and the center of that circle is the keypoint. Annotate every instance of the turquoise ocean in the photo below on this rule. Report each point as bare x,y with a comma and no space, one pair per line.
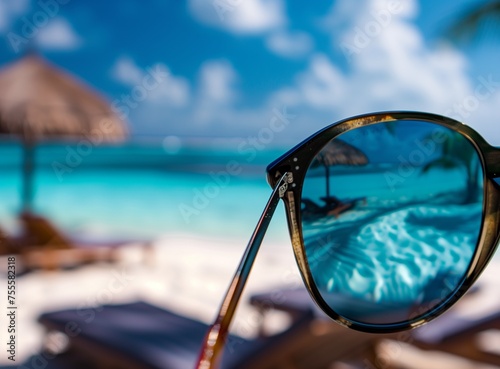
142,190
145,191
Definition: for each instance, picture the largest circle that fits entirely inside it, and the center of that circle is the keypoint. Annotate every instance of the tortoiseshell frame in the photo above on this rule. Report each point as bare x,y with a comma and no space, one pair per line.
297,161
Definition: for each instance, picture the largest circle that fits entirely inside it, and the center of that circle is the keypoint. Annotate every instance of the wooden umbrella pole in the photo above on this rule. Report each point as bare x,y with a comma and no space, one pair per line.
327,172
28,173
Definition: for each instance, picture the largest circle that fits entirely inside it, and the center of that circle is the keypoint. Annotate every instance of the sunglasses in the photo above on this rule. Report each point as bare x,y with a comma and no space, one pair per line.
392,217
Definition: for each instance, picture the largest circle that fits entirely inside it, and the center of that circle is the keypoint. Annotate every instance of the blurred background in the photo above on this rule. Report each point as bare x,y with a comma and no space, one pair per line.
199,84
144,130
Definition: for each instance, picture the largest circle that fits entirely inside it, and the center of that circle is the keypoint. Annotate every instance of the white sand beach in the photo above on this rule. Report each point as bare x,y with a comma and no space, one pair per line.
187,275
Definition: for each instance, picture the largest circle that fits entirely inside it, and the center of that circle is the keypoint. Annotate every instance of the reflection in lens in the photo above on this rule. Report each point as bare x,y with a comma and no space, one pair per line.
391,215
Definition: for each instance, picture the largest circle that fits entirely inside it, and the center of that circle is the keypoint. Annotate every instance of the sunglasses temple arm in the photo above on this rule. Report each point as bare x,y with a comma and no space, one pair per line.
211,351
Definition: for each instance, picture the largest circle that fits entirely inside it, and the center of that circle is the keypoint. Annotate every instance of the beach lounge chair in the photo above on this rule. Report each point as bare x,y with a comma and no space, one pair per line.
451,333
461,336
335,206
6,246
48,361
332,207
43,246
141,336
312,209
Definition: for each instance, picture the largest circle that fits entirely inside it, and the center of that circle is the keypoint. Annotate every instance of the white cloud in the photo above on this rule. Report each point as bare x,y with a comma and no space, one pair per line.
216,90
58,35
173,90
217,80
340,15
392,70
127,72
161,86
290,44
485,122
208,110
10,10
322,85
240,16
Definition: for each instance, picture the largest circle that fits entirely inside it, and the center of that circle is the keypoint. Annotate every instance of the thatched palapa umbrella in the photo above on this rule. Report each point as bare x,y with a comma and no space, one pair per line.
40,102
338,152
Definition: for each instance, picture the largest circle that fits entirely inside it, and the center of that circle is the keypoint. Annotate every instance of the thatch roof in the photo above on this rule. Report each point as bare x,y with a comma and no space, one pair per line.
39,101
338,152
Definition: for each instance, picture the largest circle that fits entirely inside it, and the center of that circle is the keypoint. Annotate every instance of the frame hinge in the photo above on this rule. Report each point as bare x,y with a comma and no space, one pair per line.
284,186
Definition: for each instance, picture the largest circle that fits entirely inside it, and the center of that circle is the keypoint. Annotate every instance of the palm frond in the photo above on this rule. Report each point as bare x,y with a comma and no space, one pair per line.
391,127
445,163
472,23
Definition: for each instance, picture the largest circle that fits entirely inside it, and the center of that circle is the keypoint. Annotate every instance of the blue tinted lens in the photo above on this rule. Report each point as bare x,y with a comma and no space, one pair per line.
391,216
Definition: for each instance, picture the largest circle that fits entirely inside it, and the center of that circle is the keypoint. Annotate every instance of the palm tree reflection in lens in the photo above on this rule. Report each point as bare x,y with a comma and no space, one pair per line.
452,157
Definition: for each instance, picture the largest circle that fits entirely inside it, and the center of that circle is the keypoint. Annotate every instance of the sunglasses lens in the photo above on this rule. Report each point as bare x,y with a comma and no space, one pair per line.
391,216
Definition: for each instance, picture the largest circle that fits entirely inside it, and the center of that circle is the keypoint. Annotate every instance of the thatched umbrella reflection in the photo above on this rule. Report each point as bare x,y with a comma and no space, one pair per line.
39,101
337,152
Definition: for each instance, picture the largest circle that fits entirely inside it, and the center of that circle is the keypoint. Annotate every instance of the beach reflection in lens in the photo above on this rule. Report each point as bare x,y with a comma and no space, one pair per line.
391,215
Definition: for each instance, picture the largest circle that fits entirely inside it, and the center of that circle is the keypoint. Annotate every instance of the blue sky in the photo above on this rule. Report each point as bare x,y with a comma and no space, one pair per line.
224,68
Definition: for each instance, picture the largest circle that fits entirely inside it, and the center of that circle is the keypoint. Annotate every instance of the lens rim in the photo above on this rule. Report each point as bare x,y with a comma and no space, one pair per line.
297,162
